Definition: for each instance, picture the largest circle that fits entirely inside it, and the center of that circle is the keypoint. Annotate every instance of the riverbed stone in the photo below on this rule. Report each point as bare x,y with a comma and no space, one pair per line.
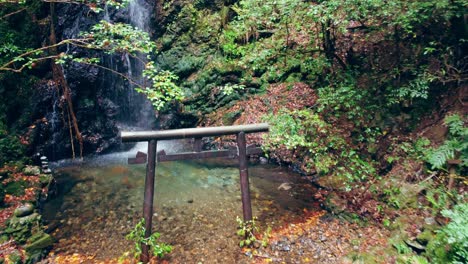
24,210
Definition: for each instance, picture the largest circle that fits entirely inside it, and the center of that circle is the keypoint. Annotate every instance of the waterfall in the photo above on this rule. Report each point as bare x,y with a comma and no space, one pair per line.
136,112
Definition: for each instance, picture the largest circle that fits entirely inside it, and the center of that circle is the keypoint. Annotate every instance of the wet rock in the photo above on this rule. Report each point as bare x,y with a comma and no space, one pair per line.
24,210
31,170
415,245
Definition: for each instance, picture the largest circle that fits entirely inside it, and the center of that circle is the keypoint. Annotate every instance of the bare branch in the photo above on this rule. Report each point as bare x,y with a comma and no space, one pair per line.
12,13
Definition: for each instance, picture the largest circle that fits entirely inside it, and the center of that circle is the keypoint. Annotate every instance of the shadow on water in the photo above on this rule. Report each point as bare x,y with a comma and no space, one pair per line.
196,205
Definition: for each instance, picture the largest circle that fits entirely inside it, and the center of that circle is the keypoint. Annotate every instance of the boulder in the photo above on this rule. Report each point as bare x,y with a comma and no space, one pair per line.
24,210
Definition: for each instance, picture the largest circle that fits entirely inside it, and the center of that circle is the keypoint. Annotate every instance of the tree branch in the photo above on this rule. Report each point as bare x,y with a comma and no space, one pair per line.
12,13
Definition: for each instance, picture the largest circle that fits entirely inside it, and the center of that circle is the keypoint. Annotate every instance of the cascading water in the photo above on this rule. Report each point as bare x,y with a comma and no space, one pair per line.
135,111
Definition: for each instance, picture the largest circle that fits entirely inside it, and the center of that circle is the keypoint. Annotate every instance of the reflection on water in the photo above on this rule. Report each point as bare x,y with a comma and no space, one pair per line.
196,204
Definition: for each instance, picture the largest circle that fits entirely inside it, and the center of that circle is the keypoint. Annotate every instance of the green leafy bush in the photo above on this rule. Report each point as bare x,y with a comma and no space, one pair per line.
137,235
321,144
451,243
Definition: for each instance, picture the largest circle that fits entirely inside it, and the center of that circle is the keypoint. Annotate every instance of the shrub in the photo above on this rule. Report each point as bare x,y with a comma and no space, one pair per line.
451,242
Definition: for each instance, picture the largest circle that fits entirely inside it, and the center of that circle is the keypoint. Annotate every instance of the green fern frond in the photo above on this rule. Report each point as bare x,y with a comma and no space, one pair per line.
438,157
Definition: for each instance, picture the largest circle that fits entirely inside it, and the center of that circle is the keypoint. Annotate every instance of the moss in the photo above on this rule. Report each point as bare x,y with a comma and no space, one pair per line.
14,258
229,118
16,188
39,241
20,228
425,237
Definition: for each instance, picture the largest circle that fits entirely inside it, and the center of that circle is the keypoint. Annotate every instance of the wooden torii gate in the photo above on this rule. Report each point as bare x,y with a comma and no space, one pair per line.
152,138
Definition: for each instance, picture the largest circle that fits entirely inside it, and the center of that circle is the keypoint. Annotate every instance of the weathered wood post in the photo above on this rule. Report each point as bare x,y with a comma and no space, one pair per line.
148,198
244,177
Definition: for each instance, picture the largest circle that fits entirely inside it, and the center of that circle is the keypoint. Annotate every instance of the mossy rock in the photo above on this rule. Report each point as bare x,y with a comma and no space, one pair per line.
24,210
39,241
20,227
425,237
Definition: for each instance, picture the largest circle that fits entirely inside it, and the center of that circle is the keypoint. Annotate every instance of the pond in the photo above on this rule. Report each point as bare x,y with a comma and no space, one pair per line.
195,206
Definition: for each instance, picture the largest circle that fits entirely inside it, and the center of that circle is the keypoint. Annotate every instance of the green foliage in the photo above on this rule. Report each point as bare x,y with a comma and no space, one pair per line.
454,147
229,88
110,38
137,235
11,148
163,87
451,242
119,38
94,5
325,149
247,230
439,198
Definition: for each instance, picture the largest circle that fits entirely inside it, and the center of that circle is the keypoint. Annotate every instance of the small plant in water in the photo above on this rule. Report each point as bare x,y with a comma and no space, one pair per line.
137,235
246,231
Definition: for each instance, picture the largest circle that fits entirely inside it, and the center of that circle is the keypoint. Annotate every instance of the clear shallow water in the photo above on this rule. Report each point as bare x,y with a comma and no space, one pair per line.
195,207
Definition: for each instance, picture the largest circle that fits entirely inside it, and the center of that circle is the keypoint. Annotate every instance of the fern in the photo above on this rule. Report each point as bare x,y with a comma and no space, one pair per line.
438,157
456,146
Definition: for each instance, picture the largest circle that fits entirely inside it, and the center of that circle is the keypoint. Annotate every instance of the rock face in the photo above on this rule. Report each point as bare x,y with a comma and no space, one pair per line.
102,101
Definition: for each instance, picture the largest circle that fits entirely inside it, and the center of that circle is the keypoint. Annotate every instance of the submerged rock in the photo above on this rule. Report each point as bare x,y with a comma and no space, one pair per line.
285,186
